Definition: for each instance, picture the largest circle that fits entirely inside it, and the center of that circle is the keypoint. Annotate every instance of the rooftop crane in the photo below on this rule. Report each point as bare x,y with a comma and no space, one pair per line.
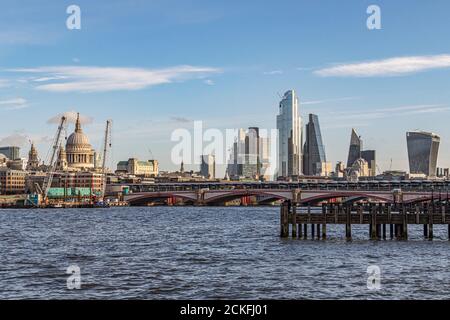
106,146
52,165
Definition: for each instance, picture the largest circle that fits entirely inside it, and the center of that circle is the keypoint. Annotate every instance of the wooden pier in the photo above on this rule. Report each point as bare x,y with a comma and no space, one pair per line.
384,220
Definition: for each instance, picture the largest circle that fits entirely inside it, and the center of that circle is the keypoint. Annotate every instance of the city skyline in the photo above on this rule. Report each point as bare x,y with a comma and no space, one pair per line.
382,82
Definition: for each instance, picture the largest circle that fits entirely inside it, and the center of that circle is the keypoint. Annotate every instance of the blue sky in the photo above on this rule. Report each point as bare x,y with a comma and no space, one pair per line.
153,66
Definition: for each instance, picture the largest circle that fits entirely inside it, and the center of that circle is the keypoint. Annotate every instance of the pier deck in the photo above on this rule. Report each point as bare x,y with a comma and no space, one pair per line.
295,220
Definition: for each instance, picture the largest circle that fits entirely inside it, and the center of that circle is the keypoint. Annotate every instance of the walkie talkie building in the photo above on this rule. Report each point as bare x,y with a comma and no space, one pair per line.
423,148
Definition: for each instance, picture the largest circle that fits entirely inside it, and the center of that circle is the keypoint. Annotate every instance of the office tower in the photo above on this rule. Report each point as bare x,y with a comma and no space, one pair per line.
370,157
249,155
354,152
11,152
289,125
423,148
314,159
208,166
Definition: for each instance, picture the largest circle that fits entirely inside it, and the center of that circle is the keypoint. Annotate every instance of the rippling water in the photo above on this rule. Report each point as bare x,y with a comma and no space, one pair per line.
206,253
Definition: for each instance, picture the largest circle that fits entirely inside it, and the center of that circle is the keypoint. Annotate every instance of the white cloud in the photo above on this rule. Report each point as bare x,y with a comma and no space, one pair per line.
13,104
71,117
396,66
272,73
381,113
209,82
314,102
4,83
101,79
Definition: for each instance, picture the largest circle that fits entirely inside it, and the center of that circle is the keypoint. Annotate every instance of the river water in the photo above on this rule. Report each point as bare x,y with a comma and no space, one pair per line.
207,253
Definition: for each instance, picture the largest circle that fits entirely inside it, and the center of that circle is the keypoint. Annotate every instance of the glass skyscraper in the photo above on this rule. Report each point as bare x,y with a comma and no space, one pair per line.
289,124
314,150
354,152
423,148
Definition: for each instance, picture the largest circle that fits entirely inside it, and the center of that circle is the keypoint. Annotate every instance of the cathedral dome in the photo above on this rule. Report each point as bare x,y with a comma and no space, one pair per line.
79,152
78,138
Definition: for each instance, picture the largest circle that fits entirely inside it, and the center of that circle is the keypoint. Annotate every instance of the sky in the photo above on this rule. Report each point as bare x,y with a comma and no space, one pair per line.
155,66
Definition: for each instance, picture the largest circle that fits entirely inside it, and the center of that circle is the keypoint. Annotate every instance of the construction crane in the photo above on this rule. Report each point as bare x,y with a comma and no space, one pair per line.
106,147
52,165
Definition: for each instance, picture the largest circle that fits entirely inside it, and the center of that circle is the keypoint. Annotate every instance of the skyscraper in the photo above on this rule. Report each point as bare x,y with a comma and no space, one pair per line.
314,150
423,148
354,152
289,125
208,166
12,153
370,157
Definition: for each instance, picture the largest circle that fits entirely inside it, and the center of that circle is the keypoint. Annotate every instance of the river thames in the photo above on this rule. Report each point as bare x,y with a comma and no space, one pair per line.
207,253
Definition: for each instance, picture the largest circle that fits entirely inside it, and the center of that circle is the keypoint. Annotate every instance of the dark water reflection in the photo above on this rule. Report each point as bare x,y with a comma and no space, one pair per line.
207,253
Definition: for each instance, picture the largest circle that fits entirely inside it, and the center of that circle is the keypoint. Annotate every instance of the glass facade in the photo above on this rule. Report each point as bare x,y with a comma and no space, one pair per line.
354,152
314,150
423,148
289,124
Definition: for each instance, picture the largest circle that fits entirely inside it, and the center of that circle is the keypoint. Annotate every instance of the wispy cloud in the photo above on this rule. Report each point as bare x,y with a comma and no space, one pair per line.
381,113
13,104
4,83
15,139
101,79
273,72
209,82
180,119
315,102
396,66
71,117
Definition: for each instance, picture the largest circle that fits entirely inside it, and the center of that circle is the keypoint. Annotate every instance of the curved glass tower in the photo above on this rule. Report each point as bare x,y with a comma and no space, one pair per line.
289,124
314,150
423,148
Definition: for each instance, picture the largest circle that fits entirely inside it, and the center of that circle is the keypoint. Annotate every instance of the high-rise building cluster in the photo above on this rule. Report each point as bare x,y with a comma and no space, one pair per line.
296,158
249,156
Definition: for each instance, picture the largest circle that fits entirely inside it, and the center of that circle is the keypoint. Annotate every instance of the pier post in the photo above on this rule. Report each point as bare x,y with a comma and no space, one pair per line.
318,231
373,230
384,231
430,222
305,231
348,224
284,220
312,231
324,225
294,220
425,231
405,223
300,230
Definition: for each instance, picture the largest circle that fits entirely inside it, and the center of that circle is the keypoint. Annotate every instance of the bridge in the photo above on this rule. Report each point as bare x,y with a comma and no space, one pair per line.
266,196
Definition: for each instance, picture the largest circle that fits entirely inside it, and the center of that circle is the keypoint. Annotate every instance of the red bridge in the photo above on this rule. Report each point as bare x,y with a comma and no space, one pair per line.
265,196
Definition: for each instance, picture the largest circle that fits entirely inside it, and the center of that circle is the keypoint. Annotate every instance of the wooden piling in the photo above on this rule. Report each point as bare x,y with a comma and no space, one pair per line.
312,231
430,223
305,231
348,224
324,225
391,231
318,231
294,221
373,230
384,231
284,220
